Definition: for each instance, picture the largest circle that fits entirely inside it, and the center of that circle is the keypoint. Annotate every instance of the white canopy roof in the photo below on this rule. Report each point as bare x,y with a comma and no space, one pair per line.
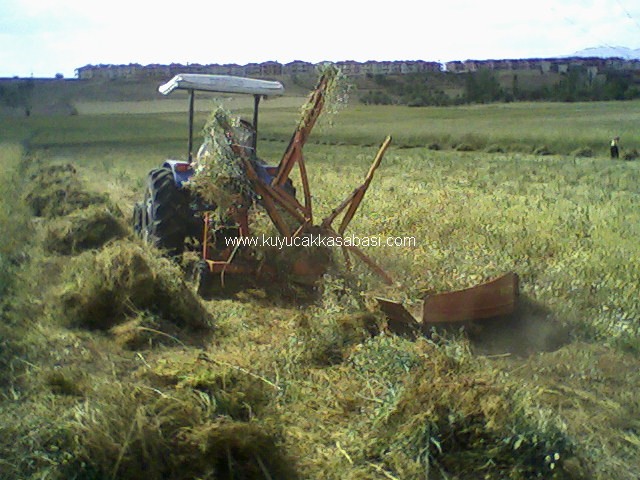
221,83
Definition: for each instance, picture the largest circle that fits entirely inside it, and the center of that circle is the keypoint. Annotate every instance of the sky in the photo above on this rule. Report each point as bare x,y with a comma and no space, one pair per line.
42,38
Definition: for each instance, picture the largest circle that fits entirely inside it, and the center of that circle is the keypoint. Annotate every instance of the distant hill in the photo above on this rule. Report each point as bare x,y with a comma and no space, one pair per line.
607,52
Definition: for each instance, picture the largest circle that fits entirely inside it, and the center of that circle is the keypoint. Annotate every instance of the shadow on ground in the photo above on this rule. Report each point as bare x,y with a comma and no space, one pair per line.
531,328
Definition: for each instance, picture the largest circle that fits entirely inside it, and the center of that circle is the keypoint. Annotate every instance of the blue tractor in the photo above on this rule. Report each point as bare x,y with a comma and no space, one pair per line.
169,214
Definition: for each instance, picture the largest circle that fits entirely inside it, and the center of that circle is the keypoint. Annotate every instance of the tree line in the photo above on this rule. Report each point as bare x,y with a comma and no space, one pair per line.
577,84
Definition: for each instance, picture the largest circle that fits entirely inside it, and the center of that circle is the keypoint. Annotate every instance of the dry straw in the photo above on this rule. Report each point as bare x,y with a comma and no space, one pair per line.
104,289
84,229
220,176
56,190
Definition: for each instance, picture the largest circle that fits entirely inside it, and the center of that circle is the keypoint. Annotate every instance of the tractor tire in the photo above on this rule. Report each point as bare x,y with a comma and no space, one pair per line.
165,216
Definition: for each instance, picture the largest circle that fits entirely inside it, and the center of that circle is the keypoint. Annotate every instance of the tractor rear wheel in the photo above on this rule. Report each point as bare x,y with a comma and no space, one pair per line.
165,215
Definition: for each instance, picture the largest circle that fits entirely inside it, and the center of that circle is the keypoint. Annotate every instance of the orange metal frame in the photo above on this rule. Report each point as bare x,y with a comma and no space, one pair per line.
273,195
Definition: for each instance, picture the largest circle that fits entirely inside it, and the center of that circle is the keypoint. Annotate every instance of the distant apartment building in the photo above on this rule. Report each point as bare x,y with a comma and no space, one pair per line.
594,65
298,67
352,68
108,71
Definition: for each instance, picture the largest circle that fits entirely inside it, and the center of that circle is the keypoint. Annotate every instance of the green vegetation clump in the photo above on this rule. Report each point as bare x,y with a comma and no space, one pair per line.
486,86
583,152
376,98
542,150
494,149
464,147
633,154
18,94
456,418
14,216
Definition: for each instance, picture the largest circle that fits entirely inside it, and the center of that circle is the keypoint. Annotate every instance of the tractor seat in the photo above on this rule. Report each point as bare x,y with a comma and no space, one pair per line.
265,173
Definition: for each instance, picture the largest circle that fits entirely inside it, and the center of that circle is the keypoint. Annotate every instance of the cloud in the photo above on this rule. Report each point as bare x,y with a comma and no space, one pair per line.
47,36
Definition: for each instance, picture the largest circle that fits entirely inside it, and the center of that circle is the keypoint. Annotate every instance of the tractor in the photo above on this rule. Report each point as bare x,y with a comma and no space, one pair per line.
171,213
172,216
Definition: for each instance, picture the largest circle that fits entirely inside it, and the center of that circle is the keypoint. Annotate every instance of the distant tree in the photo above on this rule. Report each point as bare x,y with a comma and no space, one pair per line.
430,97
59,76
572,87
633,92
515,87
18,95
619,86
376,98
482,87
385,80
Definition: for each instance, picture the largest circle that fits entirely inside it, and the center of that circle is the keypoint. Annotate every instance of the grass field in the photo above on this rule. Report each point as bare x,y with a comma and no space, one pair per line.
103,377
517,127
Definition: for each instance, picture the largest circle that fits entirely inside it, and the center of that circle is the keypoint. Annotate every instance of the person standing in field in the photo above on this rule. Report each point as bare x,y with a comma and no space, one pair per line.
615,153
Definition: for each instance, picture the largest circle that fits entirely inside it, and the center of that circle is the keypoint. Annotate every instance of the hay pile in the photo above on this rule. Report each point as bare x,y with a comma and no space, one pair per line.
105,289
84,229
329,340
632,154
133,433
457,418
146,330
56,190
220,176
237,392
399,409
594,389
584,152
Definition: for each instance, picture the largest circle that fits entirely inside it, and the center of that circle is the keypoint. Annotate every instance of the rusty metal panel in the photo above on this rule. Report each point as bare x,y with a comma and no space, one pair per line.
494,298
399,320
